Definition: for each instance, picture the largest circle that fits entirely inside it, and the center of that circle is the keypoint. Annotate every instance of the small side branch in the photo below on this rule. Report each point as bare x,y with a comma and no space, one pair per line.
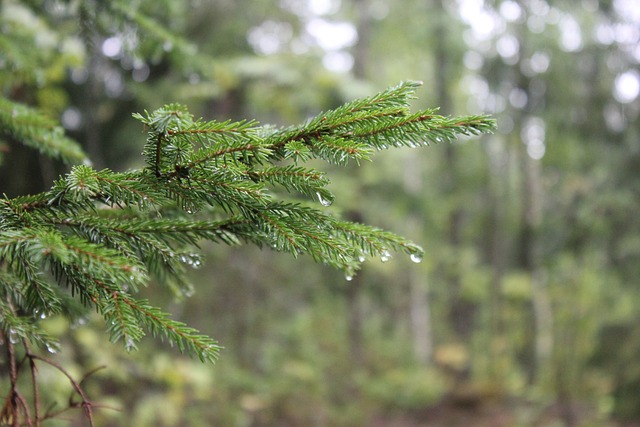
85,403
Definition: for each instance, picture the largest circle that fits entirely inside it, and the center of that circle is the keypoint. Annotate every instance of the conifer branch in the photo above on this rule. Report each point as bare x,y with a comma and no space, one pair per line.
102,234
34,130
354,130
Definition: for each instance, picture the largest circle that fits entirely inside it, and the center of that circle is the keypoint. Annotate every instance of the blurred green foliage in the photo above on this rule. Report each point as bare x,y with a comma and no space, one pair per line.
525,309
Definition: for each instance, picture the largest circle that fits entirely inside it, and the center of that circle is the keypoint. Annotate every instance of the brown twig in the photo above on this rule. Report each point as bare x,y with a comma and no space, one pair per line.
34,382
10,409
85,403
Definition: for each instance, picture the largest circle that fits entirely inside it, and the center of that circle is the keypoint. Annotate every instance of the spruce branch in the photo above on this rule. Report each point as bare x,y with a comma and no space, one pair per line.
355,130
98,236
187,339
35,130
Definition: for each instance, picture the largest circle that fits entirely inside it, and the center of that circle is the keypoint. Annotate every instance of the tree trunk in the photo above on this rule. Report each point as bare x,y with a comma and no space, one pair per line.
355,320
531,216
420,317
361,51
354,287
419,304
497,241
460,311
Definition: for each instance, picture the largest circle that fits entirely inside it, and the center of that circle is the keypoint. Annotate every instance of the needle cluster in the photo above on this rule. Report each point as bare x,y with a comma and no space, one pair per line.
98,236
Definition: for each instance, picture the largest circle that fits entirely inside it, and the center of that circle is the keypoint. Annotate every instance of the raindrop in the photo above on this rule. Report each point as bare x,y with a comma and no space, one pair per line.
52,348
361,258
348,277
417,258
80,321
385,256
322,200
130,344
43,315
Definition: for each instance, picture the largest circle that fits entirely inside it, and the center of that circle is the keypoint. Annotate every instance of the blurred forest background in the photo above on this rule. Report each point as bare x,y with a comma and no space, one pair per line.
525,310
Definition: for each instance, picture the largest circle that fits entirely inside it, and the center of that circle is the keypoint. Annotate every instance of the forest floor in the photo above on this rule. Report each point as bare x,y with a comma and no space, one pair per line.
452,412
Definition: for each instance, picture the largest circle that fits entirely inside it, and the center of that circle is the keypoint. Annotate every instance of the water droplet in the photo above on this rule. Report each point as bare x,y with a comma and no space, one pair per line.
385,256
51,348
322,200
361,258
80,321
43,315
417,258
348,277
130,344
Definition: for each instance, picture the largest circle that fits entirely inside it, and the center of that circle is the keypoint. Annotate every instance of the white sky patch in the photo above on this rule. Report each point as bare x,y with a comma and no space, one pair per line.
324,7
482,21
508,46
533,135
473,60
627,87
71,118
332,36
571,35
510,10
635,52
540,62
112,47
338,62
518,98
270,37
628,9
627,33
614,117
539,7
604,34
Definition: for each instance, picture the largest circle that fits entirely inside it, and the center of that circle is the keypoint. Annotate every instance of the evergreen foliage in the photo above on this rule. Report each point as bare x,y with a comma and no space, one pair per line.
98,236
38,131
